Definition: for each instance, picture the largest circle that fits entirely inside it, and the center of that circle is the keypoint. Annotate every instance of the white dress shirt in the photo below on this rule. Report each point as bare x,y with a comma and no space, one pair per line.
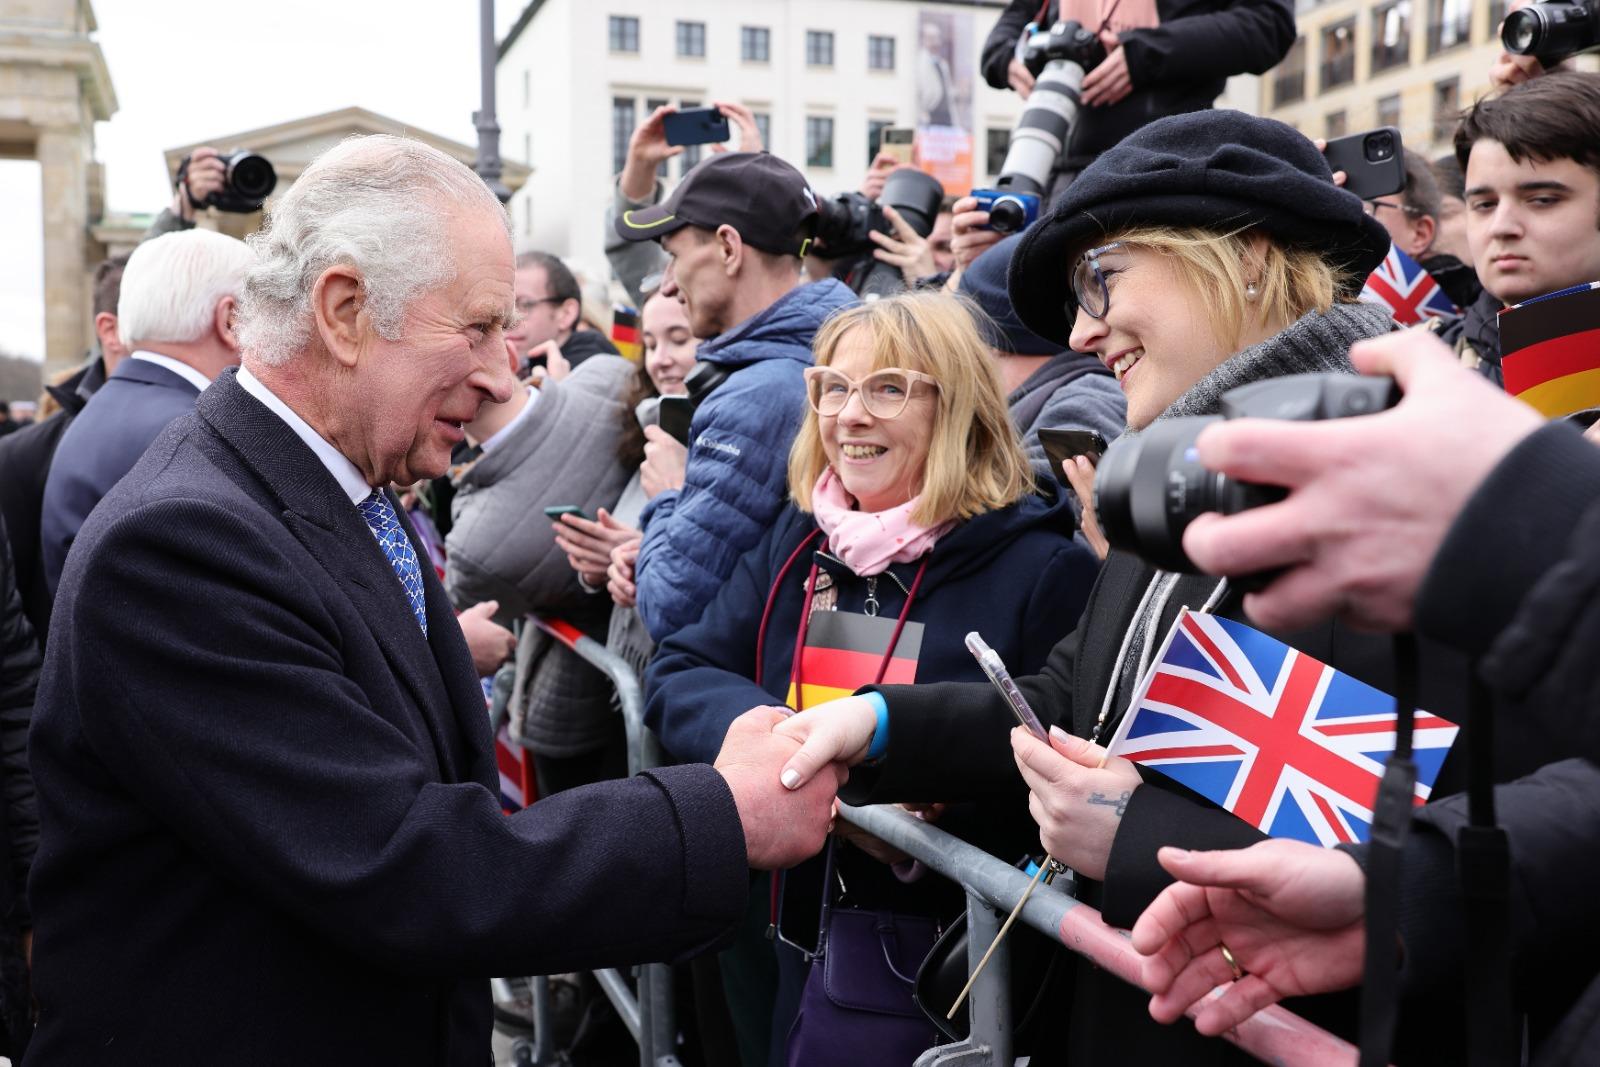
178,367
498,438
351,480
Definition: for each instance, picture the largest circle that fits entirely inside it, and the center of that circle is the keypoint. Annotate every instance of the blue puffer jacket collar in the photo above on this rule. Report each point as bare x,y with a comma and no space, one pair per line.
784,330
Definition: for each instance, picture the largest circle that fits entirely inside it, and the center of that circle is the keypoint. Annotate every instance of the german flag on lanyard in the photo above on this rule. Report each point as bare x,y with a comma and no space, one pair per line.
625,332
843,652
1550,350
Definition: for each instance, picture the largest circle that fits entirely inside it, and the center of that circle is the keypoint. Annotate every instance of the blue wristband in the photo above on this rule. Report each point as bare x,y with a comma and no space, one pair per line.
880,735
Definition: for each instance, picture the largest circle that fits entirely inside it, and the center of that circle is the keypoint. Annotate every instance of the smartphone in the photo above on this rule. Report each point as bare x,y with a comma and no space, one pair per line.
897,141
566,509
697,125
1061,445
674,416
1374,162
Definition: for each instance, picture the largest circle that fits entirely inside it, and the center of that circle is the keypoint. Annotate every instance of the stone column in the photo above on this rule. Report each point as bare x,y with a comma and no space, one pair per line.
65,154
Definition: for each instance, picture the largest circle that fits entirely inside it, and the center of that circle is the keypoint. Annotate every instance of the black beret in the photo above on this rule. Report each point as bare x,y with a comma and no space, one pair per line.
1218,170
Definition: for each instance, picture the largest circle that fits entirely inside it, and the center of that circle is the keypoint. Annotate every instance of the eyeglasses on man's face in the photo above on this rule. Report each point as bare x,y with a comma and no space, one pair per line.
1371,207
884,393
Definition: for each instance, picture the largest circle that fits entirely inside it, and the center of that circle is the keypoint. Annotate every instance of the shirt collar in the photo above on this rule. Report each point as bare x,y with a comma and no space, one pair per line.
350,479
500,436
178,367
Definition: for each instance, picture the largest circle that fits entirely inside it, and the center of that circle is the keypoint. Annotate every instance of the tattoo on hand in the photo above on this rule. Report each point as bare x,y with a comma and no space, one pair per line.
1120,803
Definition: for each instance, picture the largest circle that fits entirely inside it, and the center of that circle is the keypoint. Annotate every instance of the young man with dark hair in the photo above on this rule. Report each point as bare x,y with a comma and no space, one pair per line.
1413,221
550,313
1532,164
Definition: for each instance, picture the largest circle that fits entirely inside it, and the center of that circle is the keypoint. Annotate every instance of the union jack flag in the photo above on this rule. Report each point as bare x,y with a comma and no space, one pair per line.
1409,292
1280,739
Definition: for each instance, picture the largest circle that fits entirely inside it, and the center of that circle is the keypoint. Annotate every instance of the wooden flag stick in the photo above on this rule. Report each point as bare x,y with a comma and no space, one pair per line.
961,998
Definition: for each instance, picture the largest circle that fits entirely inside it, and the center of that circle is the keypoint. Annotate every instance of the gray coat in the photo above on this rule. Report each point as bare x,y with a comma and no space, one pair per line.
501,546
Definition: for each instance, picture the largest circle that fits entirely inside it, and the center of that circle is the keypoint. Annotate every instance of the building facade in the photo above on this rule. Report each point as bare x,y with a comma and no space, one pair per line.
1411,64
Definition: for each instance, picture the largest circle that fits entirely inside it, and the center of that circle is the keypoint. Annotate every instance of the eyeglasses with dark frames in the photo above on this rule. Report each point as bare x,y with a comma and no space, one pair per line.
1089,287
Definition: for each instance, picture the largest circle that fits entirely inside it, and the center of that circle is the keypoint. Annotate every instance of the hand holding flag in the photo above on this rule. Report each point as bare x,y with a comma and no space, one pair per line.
1077,802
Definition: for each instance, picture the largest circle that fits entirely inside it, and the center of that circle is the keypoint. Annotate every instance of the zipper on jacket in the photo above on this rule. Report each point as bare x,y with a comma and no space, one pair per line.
871,582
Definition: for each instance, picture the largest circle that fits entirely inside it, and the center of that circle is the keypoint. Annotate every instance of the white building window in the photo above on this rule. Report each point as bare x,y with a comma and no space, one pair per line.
624,33
755,44
622,121
819,141
764,127
819,48
880,53
692,40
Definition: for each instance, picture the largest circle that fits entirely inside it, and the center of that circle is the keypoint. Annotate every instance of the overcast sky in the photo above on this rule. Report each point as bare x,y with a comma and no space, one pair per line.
187,72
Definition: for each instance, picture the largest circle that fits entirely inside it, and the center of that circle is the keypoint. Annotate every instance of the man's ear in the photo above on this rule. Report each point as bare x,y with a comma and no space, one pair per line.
338,308
105,328
730,246
568,315
222,317
1423,230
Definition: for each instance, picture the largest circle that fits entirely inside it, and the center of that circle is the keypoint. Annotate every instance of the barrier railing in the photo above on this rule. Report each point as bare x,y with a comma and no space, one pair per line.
1273,1035
649,1014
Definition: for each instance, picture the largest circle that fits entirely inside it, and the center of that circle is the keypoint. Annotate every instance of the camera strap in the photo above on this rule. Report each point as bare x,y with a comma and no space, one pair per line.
1391,820
1483,865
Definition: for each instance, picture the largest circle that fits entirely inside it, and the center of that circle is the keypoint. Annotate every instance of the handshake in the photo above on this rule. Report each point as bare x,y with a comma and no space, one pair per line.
786,791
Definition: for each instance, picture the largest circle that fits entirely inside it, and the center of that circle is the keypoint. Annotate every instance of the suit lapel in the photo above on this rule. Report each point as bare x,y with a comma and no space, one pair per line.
321,517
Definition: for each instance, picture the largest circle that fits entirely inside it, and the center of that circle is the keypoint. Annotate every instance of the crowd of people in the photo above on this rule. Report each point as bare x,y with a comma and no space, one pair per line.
269,547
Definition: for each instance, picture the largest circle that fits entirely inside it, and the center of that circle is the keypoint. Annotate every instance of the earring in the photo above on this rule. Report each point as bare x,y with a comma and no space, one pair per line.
1251,291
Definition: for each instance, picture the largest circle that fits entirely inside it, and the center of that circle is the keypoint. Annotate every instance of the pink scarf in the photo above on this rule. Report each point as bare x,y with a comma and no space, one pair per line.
868,541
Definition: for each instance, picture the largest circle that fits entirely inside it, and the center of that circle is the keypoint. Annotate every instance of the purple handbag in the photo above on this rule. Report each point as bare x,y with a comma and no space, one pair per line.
857,1009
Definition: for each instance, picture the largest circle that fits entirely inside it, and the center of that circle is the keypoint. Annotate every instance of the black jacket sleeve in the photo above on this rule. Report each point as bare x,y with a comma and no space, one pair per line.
1240,37
19,676
951,741
1001,44
1534,615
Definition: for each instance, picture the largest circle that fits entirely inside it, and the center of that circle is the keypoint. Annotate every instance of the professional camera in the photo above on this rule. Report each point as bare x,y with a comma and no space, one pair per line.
1150,485
248,179
1552,30
1059,59
848,218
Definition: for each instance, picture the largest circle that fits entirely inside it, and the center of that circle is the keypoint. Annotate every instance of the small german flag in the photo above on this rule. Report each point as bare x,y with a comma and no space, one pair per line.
843,652
625,332
1550,350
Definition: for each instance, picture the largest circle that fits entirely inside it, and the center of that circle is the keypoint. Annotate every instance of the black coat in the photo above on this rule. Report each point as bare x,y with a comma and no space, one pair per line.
1179,66
268,814
25,459
955,736
19,815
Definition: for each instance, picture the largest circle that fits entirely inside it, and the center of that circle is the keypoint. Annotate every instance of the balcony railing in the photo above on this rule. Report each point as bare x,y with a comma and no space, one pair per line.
1339,71
1289,87
1450,33
1386,56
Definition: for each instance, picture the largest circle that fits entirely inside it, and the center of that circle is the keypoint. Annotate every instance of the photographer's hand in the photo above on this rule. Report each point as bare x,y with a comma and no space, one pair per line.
1020,78
1110,82
908,250
1080,474
665,461
969,239
1370,498
206,175
745,119
877,174
647,149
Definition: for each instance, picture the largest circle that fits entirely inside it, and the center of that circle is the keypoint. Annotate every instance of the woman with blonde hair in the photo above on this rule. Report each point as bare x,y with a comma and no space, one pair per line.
912,523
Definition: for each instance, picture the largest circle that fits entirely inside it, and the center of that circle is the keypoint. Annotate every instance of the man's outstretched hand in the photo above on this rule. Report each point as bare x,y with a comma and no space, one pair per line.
781,826
1292,914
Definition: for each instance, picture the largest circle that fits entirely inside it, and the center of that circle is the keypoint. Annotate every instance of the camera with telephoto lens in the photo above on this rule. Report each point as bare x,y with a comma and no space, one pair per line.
1059,59
1150,485
847,219
1553,30
248,179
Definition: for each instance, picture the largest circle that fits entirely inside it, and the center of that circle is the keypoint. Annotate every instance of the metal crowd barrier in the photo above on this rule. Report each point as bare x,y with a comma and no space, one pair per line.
1273,1035
648,1015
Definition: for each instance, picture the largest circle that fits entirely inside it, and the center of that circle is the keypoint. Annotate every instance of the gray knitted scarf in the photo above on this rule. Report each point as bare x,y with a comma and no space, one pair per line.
1317,342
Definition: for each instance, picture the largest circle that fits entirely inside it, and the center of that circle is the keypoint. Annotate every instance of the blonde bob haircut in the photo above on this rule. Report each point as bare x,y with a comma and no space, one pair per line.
1216,267
975,460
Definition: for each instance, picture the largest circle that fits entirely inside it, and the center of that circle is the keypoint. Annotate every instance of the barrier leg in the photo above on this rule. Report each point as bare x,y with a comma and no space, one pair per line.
656,985
544,1041
988,1043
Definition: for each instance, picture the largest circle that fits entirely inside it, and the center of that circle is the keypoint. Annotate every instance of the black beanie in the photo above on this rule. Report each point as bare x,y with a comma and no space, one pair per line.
984,281
1218,170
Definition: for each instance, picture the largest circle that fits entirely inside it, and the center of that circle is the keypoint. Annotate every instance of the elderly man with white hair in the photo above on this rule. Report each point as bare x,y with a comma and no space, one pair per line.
269,828
175,317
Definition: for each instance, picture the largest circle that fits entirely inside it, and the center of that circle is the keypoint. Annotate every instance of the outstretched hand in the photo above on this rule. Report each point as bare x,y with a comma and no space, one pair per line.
836,732
1292,915
1076,795
781,826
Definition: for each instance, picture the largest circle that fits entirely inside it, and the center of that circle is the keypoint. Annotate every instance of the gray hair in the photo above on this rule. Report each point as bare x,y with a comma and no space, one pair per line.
378,204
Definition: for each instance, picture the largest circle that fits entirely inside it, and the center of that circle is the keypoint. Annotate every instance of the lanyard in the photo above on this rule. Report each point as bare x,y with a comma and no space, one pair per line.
805,625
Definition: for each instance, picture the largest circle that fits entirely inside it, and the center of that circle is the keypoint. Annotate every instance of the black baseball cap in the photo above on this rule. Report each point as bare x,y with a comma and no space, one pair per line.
765,199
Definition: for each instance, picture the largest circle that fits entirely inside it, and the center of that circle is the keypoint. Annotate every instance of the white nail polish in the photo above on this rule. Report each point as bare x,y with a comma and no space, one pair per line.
790,778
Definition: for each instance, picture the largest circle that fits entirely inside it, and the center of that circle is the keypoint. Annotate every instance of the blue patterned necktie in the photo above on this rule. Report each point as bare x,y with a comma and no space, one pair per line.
385,526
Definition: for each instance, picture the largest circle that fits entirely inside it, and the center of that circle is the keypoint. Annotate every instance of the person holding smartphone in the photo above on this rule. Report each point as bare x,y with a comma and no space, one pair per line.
1205,252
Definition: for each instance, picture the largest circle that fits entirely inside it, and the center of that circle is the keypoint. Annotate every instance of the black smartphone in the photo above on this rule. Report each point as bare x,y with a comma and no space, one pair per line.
674,416
566,509
697,125
1374,162
1061,445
